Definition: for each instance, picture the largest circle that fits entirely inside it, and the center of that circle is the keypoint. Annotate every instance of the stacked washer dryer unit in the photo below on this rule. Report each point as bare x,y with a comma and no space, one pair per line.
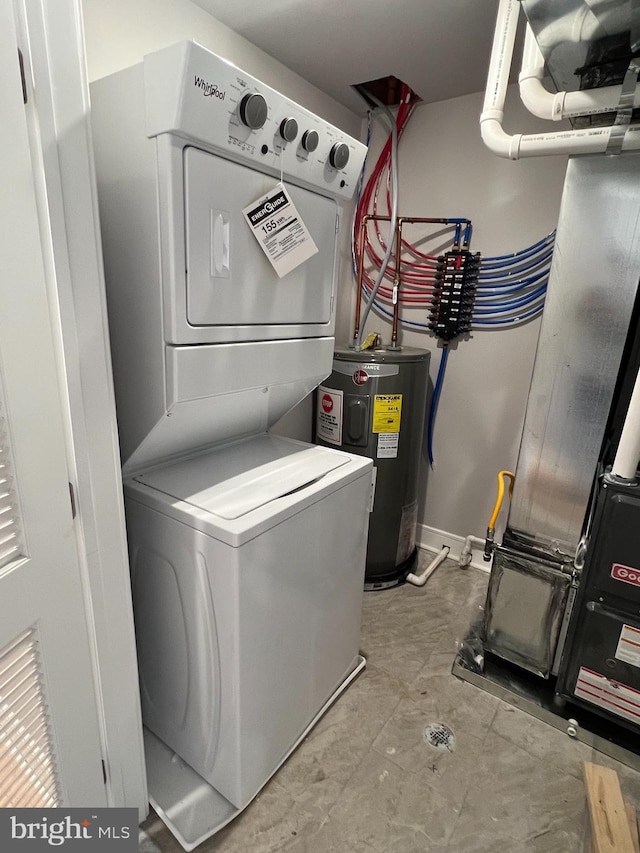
247,550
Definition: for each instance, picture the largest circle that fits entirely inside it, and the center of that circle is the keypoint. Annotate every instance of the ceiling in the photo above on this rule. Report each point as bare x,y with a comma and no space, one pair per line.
440,48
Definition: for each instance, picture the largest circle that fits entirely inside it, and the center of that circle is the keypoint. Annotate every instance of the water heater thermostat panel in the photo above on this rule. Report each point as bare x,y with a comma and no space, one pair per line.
192,93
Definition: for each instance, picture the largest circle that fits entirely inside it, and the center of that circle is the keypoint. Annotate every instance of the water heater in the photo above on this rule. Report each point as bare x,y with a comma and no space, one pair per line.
374,404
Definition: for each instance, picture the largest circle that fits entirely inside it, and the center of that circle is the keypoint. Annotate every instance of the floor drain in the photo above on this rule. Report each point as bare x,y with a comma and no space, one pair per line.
440,737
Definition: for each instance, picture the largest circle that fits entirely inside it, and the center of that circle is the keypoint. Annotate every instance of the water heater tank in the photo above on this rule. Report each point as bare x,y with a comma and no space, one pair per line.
374,405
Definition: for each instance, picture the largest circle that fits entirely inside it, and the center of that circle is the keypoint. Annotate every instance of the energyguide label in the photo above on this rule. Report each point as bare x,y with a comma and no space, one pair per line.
278,228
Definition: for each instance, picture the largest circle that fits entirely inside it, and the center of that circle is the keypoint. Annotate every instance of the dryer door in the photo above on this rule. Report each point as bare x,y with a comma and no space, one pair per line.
229,279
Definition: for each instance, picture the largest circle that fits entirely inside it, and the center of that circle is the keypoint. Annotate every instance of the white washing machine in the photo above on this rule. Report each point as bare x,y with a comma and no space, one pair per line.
247,585
247,550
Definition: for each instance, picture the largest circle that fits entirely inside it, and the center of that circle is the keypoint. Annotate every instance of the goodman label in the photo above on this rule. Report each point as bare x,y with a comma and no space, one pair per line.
626,574
102,829
278,228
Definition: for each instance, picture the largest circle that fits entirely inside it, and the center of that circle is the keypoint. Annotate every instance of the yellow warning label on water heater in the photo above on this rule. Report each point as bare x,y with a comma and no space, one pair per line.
386,412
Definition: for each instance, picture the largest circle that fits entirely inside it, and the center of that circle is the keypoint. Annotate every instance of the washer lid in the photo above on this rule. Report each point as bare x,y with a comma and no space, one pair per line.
233,481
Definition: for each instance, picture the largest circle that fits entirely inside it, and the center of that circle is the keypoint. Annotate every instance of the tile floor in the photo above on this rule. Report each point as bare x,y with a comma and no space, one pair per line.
365,780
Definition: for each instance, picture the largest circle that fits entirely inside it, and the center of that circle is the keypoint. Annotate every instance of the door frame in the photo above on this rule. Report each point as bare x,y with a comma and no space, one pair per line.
52,43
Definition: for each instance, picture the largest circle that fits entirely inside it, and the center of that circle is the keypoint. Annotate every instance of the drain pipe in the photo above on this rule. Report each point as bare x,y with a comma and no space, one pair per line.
593,140
625,464
467,552
420,580
555,106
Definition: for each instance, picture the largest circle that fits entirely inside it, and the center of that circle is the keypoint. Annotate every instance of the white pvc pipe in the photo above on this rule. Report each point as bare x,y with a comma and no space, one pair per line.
577,25
501,55
625,464
533,94
587,141
555,106
420,580
467,551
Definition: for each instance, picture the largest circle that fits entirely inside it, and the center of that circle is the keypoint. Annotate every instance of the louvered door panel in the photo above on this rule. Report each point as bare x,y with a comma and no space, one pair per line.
11,545
28,777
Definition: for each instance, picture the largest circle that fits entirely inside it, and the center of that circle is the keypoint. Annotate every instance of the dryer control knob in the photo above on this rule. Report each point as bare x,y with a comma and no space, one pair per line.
288,129
310,140
339,155
253,110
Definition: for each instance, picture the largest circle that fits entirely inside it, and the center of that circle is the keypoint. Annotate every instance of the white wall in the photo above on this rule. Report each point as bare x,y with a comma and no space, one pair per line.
445,170
118,33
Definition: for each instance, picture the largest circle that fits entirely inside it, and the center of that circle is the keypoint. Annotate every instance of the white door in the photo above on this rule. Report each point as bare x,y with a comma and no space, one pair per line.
50,747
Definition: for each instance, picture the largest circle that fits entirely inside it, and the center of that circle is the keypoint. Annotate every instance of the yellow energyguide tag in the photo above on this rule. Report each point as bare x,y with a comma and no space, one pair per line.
386,412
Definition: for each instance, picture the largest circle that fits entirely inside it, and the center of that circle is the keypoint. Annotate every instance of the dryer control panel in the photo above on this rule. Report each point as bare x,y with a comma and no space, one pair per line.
195,94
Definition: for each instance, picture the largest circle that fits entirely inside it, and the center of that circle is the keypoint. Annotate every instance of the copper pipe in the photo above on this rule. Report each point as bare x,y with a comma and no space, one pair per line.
360,264
398,280
410,219
396,284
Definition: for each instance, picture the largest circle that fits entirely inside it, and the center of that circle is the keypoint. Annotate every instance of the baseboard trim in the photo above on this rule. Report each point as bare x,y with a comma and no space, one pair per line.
432,539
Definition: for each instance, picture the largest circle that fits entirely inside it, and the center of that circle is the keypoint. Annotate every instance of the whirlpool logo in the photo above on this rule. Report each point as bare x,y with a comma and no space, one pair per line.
209,90
70,829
